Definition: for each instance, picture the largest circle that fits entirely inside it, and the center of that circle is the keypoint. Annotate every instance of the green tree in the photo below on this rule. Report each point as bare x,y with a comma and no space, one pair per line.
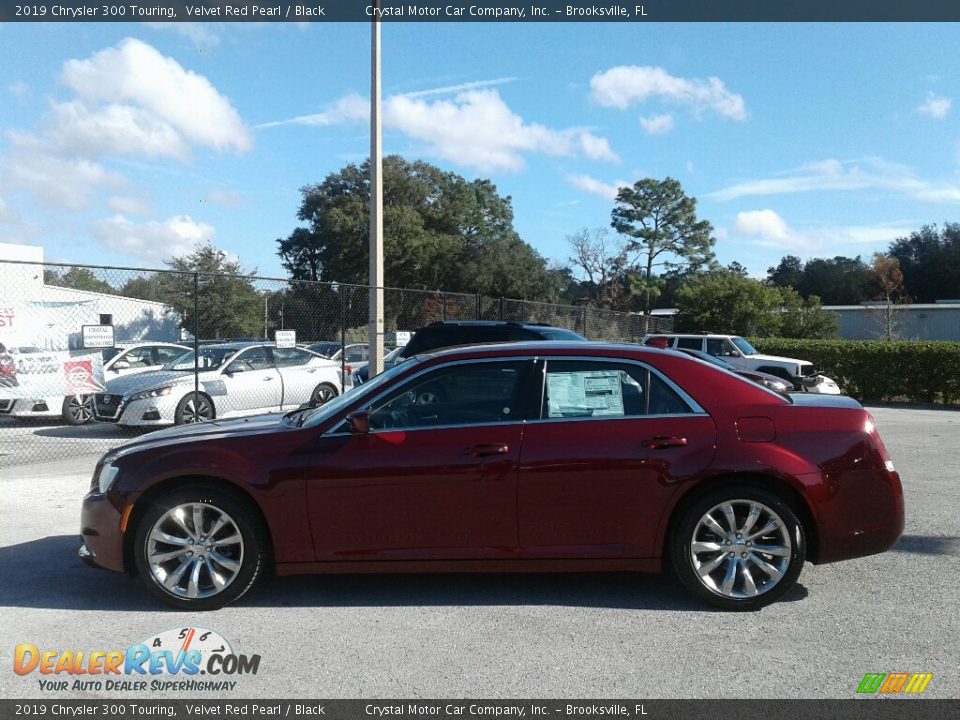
441,231
724,301
788,273
661,222
229,305
78,278
805,317
930,262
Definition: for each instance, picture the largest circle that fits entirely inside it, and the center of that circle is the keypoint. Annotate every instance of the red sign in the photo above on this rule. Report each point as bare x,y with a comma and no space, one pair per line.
79,375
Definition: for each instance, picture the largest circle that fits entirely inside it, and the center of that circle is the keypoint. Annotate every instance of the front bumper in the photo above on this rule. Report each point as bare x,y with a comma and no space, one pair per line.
34,407
100,532
148,412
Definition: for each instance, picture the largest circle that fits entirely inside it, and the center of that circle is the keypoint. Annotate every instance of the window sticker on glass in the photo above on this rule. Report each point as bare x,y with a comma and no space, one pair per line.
585,394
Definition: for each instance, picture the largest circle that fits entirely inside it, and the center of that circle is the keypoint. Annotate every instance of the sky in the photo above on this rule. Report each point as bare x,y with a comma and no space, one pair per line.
130,143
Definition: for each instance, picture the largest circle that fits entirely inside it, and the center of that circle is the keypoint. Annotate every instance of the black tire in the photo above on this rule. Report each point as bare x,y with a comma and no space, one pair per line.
706,574
323,393
189,412
77,409
250,555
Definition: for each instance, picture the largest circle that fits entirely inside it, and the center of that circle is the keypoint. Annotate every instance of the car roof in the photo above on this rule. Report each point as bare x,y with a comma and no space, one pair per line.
544,347
235,345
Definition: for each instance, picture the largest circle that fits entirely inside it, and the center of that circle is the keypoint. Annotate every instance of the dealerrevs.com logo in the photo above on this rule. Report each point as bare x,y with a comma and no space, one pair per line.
185,659
898,683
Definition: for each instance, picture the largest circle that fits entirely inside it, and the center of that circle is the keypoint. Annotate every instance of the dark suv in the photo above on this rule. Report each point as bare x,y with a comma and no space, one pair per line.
450,333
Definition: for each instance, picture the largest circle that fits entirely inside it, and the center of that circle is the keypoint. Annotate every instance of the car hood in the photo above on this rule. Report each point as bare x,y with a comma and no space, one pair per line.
127,384
214,429
777,358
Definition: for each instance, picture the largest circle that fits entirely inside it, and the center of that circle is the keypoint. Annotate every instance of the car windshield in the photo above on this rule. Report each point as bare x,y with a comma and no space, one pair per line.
210,359
743,346
327,410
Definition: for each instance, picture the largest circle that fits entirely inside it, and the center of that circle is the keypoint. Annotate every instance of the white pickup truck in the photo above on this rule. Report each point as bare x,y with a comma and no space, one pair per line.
743,356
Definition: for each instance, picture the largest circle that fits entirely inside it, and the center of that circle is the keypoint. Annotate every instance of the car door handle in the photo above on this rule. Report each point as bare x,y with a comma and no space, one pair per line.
487,450
268,378
662,442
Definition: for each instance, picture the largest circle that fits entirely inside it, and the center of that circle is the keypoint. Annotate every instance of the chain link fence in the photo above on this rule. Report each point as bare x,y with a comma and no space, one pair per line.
91,356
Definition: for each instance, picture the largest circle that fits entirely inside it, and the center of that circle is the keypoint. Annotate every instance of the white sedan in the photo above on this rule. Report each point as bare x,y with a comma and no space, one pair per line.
77,409
234,379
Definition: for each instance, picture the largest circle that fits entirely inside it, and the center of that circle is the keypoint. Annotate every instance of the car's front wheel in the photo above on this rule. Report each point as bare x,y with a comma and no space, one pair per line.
199,548
78,409
739,547
194,408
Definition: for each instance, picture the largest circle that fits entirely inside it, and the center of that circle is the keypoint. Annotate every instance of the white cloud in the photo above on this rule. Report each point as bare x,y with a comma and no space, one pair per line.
129,206
152,241
935,106
452,89
19,89
623,86
135,74
226,198
57,183
350,108
768,229
657,124
834,175
597,187
203,35
474,128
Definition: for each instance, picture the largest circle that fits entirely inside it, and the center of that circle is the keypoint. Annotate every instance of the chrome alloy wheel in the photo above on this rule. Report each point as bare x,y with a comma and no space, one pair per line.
194,550
196,409
741,549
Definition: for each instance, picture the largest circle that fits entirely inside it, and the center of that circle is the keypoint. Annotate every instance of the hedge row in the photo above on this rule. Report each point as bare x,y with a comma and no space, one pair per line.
877,370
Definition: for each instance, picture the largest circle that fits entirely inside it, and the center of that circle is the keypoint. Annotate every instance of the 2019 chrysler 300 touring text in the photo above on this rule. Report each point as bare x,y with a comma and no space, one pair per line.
540,456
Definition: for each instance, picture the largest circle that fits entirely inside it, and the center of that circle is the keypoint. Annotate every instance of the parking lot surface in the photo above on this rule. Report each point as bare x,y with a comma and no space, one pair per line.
579,635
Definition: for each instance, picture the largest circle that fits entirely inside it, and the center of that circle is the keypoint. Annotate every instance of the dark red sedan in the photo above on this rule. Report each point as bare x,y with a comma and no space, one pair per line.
521,457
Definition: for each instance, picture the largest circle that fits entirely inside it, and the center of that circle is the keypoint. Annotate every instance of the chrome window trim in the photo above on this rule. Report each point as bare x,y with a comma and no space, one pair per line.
423,371
695,407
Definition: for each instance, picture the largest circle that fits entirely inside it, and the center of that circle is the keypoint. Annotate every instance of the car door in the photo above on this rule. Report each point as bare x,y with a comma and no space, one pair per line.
300,376
613,440
251,384
436,476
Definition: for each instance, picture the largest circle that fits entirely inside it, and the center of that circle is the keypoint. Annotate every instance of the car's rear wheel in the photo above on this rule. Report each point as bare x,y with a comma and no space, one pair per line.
739,547
324,392
78,409
199,548
194,408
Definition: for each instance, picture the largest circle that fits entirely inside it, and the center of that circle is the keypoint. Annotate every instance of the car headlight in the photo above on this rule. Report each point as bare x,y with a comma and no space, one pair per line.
156,392
106,478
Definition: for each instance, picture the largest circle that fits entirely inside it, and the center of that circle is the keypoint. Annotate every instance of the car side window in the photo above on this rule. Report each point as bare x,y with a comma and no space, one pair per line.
139,358
604,390
478,393
254,359
290,357
690,343
720,347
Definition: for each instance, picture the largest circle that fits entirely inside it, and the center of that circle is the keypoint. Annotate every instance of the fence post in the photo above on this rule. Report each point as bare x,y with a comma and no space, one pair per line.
343,331
501,308
478,306
585,307
443,299
196,338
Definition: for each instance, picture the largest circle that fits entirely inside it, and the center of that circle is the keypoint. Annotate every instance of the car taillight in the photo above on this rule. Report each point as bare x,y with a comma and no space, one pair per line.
347,369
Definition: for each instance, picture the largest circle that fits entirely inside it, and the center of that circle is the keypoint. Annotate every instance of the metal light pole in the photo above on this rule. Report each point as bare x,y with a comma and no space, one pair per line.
375,330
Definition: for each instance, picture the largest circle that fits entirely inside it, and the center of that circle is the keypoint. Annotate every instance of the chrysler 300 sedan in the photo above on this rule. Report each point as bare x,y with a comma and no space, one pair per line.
531,457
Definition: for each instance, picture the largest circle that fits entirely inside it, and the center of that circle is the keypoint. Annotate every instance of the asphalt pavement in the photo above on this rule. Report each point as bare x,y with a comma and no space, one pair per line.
511,636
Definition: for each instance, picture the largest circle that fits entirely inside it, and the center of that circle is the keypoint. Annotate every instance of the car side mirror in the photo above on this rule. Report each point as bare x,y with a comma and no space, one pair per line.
121,365
235,368
359,421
